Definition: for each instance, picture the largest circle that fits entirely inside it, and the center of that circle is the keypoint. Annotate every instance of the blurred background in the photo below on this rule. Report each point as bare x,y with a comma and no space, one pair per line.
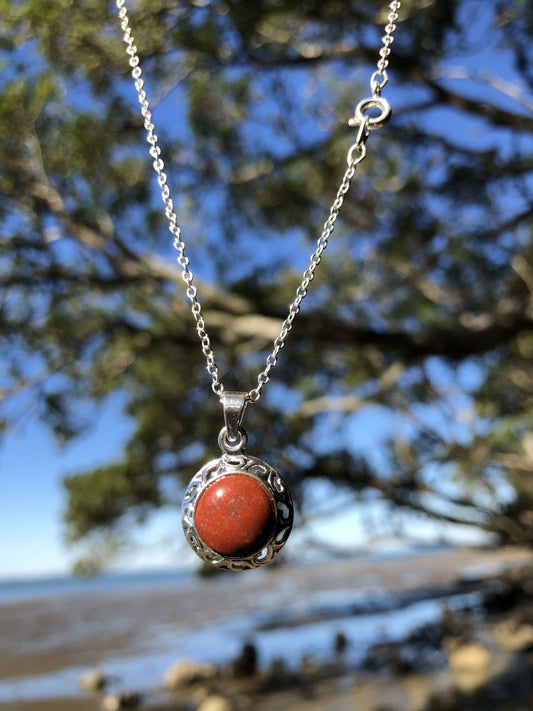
399,412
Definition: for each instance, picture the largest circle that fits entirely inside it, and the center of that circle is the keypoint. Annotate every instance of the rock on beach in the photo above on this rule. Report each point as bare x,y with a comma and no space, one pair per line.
186,673
215,702
93,680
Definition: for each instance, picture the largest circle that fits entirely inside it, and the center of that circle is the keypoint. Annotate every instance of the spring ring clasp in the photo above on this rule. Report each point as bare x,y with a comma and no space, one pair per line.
363,108
367,122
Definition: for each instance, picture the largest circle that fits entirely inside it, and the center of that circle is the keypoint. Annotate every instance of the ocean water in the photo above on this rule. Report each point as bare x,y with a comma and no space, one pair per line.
27,589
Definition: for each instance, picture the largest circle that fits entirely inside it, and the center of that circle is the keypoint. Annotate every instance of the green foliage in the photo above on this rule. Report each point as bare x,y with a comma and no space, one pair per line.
98,499
422,306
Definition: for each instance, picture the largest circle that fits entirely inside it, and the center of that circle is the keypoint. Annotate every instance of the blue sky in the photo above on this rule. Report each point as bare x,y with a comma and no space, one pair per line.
31,501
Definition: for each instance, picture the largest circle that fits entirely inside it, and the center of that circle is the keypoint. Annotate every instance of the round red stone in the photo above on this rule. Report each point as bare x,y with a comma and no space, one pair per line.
234,515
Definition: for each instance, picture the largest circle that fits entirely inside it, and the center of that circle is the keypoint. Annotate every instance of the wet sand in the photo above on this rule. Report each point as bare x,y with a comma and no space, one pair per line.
68,704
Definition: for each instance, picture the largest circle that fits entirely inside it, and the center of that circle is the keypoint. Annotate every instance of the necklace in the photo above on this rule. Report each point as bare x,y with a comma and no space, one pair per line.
237,511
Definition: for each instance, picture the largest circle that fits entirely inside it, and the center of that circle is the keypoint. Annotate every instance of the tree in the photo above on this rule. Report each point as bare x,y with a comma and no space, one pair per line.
422,306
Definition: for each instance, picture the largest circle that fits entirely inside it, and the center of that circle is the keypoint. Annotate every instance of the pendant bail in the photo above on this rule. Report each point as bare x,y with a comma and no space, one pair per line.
232,437
234,405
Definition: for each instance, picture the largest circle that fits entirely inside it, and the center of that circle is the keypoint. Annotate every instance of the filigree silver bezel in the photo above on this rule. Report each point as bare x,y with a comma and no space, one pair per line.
282,504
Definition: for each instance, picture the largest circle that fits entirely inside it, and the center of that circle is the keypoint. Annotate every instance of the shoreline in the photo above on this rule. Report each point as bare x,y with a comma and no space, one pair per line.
79,636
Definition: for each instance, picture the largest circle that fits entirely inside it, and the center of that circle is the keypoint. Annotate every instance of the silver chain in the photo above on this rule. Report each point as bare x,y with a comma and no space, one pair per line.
356,154
380,77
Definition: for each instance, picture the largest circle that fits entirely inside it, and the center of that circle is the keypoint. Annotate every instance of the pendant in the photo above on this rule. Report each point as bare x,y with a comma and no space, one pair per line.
237,511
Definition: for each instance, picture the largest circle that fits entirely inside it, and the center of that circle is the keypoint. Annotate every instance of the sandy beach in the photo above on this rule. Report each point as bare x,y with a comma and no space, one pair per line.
289,614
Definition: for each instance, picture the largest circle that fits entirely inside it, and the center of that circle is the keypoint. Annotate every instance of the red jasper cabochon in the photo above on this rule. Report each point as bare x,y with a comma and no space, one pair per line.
234,515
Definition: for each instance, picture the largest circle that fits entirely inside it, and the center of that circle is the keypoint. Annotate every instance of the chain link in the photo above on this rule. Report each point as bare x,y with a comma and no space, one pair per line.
356,154
379,78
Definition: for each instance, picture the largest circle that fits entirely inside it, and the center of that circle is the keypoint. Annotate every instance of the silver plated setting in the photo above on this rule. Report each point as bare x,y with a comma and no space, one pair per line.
282,505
